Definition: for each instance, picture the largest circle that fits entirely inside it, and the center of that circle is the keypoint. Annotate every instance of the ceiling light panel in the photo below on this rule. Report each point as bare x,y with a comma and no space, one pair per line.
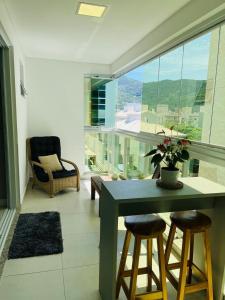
92,10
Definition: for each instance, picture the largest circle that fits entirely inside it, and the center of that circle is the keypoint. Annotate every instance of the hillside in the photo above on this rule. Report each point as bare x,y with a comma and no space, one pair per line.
163,92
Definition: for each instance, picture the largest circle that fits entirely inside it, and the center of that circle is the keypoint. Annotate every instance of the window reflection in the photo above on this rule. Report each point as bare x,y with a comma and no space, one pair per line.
128,114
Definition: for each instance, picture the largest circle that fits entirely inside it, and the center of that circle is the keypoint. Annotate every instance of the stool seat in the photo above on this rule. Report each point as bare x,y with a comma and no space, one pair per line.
192,220
145,225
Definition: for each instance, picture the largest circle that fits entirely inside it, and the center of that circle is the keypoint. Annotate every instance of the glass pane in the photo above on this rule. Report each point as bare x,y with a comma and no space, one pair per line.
218,121
198,75
150,96
100,102
168,104
128,115
96,154
207,170
111,89
87,101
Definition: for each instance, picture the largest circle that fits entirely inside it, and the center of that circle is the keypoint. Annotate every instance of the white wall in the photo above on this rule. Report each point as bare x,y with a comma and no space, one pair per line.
56,102
21,102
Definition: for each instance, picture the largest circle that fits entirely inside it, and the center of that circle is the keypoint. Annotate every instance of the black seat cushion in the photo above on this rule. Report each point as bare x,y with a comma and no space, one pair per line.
42,176
44,145
145,225
192,220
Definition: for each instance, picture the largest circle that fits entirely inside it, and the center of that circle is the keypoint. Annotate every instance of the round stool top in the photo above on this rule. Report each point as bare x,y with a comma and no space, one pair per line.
193,220
145,225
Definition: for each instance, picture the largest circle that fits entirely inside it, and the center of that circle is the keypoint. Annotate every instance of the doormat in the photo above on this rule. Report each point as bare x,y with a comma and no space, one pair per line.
36,234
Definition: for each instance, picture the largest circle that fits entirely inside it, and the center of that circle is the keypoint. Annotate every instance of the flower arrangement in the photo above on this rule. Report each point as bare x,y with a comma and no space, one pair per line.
170,152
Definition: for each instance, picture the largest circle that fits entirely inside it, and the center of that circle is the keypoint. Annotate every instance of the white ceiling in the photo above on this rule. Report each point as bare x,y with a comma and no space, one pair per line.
51,29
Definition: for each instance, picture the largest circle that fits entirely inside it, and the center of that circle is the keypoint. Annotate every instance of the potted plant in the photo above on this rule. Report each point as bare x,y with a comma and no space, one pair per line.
170,152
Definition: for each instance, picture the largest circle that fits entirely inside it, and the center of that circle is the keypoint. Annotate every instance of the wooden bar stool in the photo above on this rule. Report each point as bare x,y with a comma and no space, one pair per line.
143,227
190,223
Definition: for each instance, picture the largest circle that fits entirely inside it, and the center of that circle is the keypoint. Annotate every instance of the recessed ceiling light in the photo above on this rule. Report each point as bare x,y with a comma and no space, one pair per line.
92,10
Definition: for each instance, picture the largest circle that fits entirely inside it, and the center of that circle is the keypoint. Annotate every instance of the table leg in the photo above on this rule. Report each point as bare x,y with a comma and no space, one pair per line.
92,192
108,246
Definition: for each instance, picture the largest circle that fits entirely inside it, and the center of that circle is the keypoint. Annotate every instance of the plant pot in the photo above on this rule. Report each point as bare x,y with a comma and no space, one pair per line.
169,177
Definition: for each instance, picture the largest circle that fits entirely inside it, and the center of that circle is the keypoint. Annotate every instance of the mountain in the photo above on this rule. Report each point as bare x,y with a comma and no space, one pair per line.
163,92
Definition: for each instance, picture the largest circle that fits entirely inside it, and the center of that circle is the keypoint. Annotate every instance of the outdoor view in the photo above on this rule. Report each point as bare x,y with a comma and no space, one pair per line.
167,91
183,89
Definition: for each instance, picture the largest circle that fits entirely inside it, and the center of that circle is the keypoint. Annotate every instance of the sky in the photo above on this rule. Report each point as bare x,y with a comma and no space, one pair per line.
189,61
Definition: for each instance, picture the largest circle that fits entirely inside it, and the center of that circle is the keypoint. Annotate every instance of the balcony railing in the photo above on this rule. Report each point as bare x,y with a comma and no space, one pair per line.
122,152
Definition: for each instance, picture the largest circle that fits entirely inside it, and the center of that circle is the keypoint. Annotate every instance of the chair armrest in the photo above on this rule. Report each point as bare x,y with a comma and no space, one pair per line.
71,163
49,172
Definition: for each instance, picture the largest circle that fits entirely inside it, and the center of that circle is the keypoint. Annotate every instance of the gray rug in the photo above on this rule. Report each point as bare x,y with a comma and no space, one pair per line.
36,234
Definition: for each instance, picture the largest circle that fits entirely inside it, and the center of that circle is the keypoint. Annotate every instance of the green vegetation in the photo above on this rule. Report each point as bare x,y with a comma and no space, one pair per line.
174,93
193,93
192,133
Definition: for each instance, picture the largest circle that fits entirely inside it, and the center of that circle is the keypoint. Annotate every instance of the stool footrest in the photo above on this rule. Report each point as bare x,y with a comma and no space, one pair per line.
152,296
198,273
142,271
143,296
190,288
196,287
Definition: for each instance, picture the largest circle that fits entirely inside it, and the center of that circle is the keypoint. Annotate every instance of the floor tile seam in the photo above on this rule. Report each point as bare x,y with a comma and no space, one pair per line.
29,273
80,267
64,286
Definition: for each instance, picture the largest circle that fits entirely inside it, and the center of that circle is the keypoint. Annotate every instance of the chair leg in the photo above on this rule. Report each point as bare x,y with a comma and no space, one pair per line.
169,243
149,264
134,271
162,267
184,265
123,262
51,189
78,183
208,265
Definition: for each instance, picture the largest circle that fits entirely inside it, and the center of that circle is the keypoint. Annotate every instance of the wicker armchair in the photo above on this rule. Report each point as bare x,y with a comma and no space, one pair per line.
51,182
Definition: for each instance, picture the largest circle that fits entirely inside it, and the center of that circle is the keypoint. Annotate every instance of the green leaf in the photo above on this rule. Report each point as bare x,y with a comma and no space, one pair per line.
184,154
153,151
156,159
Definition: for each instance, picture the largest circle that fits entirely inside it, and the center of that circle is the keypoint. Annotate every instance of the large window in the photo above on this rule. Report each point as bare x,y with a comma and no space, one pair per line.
178,89
182,89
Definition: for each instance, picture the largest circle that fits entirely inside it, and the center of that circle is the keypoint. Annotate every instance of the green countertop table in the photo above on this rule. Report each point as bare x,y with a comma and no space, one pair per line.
130,197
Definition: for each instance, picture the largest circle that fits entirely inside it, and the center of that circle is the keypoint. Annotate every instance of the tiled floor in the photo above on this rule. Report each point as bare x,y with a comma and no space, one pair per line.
72,275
